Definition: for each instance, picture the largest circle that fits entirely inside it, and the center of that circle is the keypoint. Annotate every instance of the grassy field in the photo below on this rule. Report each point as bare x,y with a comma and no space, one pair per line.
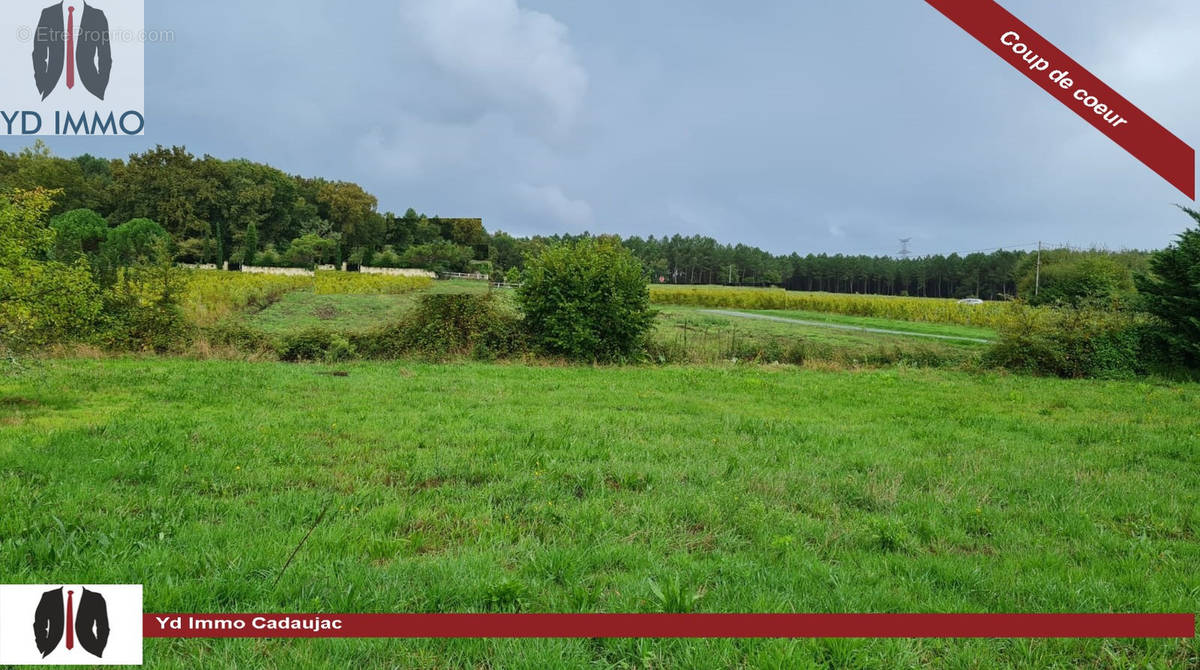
302,310
684,333
944,329
695,335
473,488
287,306
927,310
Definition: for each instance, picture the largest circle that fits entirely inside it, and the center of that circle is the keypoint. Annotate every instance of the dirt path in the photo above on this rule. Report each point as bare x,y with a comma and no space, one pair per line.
838,326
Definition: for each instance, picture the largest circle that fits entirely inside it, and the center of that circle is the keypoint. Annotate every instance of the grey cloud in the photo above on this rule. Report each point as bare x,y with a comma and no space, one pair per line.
517,58
571,215
796,126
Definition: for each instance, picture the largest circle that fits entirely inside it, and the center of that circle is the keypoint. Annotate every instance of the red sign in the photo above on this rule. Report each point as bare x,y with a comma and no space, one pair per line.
1076,88
747,626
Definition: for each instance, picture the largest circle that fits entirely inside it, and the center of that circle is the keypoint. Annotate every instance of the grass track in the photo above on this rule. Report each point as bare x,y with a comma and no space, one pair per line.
829,323
504,488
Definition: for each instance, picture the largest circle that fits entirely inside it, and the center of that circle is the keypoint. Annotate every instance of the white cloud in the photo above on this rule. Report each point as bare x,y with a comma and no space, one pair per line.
518,58
550,201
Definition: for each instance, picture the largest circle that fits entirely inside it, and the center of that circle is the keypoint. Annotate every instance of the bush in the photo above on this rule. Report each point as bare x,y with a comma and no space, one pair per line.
1078,278
1070,343
235,333
135,242
587,300
438,256
268,257
78,234
316,345
40,301
142,309
310,250
445,325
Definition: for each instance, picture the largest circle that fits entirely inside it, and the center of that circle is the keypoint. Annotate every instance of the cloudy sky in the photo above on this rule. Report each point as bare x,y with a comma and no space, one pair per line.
795,125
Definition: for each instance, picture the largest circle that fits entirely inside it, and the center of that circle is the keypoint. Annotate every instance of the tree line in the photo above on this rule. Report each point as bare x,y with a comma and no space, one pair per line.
219,210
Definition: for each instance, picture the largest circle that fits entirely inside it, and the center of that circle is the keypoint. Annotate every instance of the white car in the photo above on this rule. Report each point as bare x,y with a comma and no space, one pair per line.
970,301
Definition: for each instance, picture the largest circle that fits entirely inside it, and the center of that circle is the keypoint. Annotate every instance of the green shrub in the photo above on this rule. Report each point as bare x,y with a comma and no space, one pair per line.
235,333
1070,343
445,325
587,300
438,256
142,310
1076,279
309,250
316,345
135,242
40,301
313,344
78,234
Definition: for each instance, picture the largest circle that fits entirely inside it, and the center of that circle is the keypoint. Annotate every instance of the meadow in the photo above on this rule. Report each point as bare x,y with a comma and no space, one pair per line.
930,310
349,304
513,488
213,296
694,335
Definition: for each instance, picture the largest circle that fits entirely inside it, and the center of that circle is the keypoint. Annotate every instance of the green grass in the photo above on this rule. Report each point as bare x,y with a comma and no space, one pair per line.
302,310
467,488
696,335
682,334
951,330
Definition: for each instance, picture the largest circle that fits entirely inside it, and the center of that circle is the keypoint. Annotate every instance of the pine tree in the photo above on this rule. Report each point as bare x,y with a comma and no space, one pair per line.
1171,291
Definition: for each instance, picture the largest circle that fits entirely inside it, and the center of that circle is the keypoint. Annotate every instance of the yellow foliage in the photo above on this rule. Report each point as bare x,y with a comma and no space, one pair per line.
931,310
353,283
213,295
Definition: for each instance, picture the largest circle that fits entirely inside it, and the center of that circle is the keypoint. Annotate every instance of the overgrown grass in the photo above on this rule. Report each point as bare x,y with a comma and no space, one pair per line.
302,310
689,335
930,310
213,296
949,330
572,489
353,283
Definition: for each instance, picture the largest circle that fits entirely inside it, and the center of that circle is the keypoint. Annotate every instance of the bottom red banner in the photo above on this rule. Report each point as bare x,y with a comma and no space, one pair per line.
671,625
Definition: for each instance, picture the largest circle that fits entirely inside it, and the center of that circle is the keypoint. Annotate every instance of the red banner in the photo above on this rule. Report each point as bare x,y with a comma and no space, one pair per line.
670,625
1076,88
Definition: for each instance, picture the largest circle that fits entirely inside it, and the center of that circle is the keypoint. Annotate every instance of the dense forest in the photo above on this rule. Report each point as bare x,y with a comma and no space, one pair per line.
244,212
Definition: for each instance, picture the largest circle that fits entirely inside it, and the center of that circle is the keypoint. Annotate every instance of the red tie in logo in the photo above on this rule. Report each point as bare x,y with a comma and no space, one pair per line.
70,616
70,84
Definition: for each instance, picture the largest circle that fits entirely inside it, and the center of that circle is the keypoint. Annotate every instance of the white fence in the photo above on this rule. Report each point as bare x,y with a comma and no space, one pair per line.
459,275
398,272
195,266
285,272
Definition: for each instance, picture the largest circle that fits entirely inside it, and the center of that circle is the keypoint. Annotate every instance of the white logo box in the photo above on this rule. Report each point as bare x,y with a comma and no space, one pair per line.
32,30
24,606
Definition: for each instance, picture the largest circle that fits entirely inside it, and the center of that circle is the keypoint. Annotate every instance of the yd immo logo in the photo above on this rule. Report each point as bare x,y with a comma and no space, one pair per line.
85,622
72,624
88,62
75,40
